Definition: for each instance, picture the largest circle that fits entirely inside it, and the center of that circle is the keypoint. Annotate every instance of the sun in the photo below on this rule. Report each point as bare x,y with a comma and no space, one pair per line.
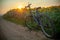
20,6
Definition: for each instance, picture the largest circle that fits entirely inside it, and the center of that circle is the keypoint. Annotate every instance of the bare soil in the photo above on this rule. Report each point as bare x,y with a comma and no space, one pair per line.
11,31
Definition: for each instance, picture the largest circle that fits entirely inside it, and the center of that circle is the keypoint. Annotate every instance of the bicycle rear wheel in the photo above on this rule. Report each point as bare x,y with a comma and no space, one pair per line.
46,25
30,22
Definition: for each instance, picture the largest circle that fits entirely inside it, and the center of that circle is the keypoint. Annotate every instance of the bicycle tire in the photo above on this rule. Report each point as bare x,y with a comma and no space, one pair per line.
31,25
45,28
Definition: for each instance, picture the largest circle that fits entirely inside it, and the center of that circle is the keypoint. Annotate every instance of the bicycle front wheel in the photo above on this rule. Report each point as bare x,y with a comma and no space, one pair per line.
46,24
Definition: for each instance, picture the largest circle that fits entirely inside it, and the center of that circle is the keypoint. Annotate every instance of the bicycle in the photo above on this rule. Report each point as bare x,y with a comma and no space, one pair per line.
40,19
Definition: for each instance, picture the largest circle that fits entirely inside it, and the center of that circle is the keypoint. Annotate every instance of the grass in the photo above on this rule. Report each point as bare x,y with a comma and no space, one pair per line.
14,20
53,12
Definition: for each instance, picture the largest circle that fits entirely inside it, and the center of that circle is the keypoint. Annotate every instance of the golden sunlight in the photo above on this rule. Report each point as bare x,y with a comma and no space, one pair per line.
20,6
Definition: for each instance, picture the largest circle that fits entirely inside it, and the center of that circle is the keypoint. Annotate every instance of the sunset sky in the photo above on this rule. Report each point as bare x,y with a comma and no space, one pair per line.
6,5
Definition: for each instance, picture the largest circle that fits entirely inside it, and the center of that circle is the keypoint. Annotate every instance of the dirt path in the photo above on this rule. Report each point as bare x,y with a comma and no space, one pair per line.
17,32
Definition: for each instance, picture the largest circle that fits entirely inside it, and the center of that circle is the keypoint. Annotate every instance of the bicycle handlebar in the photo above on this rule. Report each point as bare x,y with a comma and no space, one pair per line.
28,6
